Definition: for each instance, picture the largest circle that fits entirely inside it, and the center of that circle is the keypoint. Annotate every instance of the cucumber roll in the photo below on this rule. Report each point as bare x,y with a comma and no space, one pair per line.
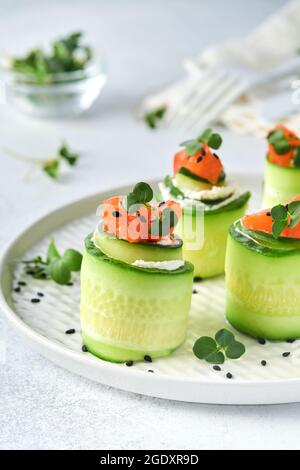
263,273
282,169
135,287
209,201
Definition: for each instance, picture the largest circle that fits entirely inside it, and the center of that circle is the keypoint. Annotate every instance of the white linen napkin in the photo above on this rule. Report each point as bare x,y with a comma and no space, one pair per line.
274,42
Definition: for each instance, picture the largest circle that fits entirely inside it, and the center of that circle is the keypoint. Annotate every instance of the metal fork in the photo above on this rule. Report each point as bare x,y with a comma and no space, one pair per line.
206,96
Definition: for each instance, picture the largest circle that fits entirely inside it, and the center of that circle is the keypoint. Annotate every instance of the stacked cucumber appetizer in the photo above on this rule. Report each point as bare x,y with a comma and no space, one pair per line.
263,275
209,201
282,172
135,287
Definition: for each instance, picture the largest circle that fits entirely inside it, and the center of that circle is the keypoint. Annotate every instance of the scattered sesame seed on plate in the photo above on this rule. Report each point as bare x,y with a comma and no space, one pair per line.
35,301
71,331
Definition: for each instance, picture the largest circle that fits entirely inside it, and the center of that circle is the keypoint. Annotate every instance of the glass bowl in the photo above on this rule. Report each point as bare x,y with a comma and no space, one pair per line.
69,93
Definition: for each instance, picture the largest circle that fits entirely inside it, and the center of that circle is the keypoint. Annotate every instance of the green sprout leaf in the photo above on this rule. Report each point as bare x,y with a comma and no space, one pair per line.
215,141
214,350
161,226
59,271
206,348
282,147
297,157
68,155
294,212
52,252
174,190
193,146
279,214
141,194
152,118
206,135
275,135
72,259
235,350
51,168
224,337
55,267
278,227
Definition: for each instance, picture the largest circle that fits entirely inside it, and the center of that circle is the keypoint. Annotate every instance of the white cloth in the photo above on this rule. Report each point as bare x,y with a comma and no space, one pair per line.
274,42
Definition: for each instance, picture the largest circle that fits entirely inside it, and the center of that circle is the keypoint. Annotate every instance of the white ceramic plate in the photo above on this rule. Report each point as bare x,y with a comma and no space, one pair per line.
178,377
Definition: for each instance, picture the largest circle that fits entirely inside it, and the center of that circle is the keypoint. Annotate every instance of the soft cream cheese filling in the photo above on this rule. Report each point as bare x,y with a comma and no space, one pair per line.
170,265
229,193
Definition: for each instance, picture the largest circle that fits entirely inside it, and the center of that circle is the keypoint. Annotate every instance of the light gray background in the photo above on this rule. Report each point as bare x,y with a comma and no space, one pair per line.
41,405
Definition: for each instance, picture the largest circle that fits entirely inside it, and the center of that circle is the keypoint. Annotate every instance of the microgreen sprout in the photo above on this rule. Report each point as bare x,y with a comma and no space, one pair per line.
55,267
215,350
67,54
212,139
285,216
152,118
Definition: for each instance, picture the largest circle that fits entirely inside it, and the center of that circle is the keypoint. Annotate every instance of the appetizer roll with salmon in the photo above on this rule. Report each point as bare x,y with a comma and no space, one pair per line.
263,273
135,287
209,201
282,171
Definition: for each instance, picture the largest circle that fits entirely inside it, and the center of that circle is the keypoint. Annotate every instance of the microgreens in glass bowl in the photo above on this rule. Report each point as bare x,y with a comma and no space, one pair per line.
65,80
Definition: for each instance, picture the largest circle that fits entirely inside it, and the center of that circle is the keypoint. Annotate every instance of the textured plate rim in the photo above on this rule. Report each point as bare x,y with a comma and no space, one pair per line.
137,381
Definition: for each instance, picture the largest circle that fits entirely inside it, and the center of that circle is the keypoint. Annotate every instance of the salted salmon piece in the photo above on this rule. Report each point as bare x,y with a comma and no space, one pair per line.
137,226
204,163
262,222
286,159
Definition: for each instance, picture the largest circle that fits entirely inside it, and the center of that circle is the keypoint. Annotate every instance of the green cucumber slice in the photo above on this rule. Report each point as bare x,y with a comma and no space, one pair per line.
209,258
263,295
281,184
128,311
193,183
263,243
130,252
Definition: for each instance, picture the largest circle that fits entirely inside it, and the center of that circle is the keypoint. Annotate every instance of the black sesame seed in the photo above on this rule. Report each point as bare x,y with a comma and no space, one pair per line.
84,348
35,301
161,203
17,289
116,214
199,159
286,354
142,218
229,375
147,358
150,370
70,284
129,363
264,363
40,294
30,272
71,331
216,156
22,283
198,279
261,341
218,368
203,153
195,291
290,340
269,214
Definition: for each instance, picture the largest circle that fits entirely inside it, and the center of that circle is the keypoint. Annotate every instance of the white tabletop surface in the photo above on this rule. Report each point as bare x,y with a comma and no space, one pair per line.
43,406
